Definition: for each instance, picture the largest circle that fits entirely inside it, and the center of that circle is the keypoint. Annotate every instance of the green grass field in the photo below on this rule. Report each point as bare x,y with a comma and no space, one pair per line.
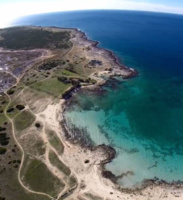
55,142
69,73
3,119
31,38
23,120
40,179
51,86
3,104
56,162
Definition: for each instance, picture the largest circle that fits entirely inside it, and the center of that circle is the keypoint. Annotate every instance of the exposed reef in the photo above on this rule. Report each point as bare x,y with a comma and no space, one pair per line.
61,158
80,137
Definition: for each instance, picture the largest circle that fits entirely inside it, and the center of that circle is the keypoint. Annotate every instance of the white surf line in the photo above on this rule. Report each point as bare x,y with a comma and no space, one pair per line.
23,155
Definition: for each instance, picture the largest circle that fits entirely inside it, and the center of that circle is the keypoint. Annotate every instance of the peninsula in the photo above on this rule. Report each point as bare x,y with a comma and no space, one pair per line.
40,69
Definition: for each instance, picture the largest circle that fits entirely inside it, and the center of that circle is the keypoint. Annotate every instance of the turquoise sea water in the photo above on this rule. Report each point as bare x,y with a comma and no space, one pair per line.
141,118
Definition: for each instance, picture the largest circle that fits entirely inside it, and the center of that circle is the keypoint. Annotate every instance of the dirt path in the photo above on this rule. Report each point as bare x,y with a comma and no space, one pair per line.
23,154
7,72
53,169
13,131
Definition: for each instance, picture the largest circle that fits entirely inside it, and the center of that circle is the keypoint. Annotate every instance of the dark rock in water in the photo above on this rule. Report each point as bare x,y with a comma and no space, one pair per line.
68,94
109,175
76,135
112,83
108,150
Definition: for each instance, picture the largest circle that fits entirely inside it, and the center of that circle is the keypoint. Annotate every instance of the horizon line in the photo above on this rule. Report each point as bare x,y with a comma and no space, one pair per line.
105,9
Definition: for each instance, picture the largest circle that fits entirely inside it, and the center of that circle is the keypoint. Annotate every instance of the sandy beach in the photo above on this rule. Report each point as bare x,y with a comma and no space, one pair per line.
86,165
89,175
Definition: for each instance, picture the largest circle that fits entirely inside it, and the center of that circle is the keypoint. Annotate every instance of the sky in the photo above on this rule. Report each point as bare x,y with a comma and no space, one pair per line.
11,9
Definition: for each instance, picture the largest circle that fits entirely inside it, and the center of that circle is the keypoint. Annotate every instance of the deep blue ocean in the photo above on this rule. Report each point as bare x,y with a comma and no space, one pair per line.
142,118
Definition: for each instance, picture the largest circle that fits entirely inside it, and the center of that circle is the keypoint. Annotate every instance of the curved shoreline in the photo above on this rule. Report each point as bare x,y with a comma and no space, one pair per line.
110,155
110,151
111,54
132,72
87,163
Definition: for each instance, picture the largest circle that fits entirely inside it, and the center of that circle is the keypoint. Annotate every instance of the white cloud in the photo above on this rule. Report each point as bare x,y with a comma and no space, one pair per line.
8,12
